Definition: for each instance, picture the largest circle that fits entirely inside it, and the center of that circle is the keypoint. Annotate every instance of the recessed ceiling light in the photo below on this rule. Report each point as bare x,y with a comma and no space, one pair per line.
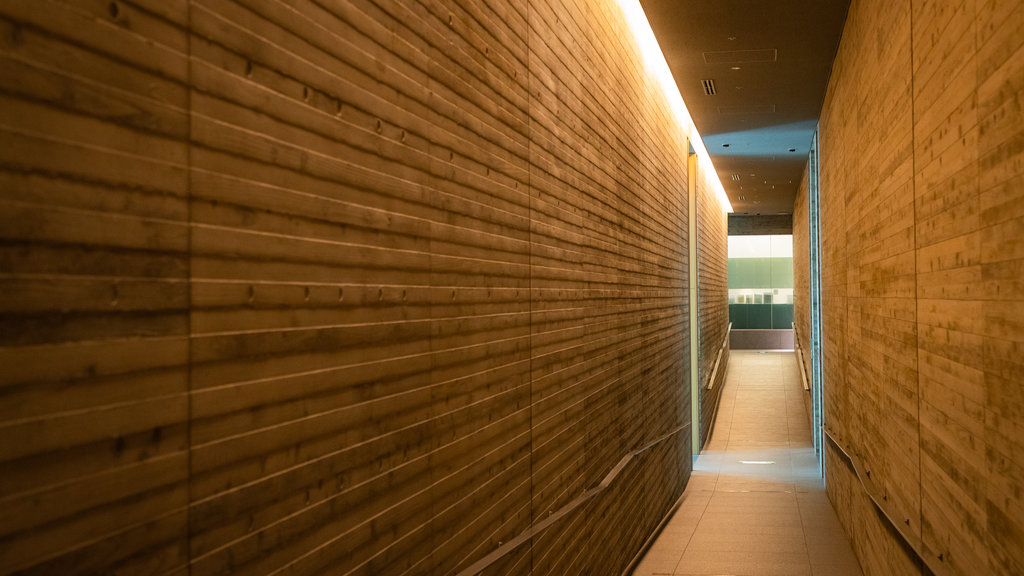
732,37
735,68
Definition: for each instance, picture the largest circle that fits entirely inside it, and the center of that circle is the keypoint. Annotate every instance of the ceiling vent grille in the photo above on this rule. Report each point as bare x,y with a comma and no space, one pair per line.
709,87
735,177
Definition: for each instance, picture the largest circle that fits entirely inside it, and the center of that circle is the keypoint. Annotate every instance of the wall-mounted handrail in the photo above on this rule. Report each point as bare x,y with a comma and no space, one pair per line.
718,359
800,358
873,492
711,384
871,489
538,527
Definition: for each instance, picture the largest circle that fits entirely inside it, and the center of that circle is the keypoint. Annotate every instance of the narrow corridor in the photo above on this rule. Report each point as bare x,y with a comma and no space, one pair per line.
755,504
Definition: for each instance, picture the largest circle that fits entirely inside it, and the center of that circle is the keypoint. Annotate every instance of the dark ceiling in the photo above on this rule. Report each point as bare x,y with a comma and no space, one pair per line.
770,62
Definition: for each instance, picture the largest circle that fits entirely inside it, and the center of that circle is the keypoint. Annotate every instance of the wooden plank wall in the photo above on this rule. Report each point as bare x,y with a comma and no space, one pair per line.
802,284
713,305
360,351
604,291
94,242
922,187
605,284
802,271
348,288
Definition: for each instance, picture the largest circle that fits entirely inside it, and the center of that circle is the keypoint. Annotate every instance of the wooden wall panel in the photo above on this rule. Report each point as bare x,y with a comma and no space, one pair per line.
802,272
999,29
352,288
713,301
94,242
385,270
921,191
867,226
950,322
608,300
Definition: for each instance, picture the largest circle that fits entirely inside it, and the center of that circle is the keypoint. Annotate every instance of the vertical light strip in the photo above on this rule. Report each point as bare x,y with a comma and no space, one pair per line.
656,66
814,249
695,388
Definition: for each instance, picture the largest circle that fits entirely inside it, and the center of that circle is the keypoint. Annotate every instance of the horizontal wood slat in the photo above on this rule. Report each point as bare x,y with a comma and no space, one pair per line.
921,141
303,287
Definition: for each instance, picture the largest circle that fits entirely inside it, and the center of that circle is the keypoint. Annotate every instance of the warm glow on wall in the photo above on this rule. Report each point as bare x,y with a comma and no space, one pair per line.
656,65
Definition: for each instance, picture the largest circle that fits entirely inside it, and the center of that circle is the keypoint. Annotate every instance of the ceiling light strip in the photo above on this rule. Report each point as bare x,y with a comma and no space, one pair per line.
654,61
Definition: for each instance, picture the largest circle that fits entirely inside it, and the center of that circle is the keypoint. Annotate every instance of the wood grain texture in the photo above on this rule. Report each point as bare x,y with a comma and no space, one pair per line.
802,274
304,287
921,188
713,302
95,323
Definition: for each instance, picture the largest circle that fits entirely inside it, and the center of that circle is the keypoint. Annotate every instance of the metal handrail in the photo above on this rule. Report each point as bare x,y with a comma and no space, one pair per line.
538,527
873,492
800,358
718,359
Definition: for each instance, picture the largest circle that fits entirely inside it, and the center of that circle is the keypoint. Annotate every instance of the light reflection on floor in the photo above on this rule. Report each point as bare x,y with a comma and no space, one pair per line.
755,504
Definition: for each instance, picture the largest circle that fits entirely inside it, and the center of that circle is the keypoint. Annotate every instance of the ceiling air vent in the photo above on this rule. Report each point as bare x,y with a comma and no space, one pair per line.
709,87
735,177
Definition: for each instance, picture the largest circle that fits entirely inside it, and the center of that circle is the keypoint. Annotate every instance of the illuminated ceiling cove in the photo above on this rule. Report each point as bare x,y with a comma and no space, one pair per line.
753,76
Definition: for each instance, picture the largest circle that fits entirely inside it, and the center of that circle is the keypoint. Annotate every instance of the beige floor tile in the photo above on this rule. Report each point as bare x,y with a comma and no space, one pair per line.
755,504
849,568
759,542
753,563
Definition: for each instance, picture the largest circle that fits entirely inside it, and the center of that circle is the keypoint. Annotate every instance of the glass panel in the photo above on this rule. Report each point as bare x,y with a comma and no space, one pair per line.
782,316
750,247
814,245
761,281
782,270
750,273
781,245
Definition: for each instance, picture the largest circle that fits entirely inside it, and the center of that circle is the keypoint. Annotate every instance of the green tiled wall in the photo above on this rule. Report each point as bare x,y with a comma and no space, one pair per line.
766,276
761,316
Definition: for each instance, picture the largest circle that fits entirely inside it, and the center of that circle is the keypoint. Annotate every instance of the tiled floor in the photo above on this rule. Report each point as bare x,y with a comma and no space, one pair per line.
755,504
